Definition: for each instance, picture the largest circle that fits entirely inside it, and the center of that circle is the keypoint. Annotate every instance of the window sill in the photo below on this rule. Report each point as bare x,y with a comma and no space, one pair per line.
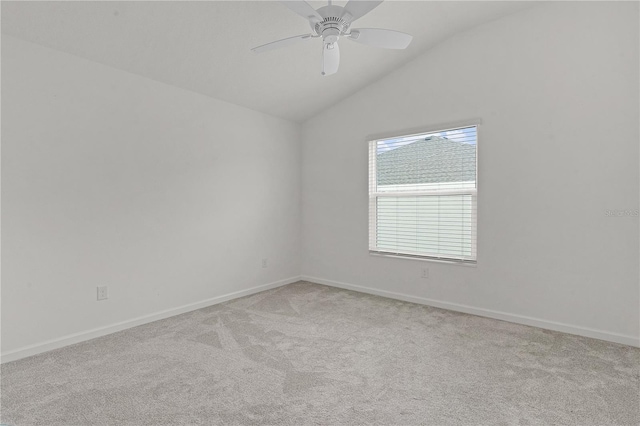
468,264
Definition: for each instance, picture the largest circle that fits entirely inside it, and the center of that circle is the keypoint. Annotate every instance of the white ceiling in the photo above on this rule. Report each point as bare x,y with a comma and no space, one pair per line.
205,46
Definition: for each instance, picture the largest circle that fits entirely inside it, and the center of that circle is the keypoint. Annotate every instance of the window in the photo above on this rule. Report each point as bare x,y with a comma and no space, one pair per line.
422,195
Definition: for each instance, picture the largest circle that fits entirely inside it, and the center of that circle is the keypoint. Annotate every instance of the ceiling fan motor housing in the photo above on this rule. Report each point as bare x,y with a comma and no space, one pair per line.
333,24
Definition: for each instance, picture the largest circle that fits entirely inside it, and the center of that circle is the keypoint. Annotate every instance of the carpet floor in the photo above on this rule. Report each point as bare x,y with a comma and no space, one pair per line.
310,354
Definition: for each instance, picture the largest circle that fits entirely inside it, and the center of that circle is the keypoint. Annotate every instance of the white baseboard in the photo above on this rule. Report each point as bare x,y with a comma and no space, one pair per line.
518,319
103,331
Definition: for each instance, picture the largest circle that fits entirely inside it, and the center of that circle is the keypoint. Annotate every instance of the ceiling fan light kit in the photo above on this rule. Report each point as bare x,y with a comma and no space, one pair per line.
332,22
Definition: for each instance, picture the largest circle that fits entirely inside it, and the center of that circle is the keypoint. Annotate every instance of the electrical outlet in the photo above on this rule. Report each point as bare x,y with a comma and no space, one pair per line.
103,292
264,263
425,273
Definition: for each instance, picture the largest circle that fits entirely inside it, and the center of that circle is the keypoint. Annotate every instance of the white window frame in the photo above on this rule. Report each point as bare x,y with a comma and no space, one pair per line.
374,194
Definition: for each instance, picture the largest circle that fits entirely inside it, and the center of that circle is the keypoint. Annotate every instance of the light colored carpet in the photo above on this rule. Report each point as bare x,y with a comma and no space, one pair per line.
311,354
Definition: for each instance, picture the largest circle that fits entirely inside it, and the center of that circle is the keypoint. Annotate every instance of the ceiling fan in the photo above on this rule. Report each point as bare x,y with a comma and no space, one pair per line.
332,22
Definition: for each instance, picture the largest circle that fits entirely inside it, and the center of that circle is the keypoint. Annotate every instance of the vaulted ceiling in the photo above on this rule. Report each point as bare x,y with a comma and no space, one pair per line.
204,46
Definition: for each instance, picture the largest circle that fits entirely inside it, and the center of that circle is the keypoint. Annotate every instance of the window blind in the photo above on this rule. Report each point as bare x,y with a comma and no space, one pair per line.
423,195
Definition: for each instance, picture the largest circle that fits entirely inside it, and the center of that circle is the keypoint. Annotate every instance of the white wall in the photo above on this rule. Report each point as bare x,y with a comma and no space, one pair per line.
557,89
166,196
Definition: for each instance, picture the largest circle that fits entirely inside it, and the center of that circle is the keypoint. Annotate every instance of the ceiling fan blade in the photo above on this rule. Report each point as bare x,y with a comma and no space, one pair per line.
378,37
280,43
330,58
358,8
303,9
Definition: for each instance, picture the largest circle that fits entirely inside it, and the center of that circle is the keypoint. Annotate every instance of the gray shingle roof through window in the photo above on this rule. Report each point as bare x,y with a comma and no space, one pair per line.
431,160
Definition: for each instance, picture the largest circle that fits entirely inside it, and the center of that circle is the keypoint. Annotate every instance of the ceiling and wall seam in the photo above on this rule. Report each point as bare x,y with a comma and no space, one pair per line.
175,43
152,79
